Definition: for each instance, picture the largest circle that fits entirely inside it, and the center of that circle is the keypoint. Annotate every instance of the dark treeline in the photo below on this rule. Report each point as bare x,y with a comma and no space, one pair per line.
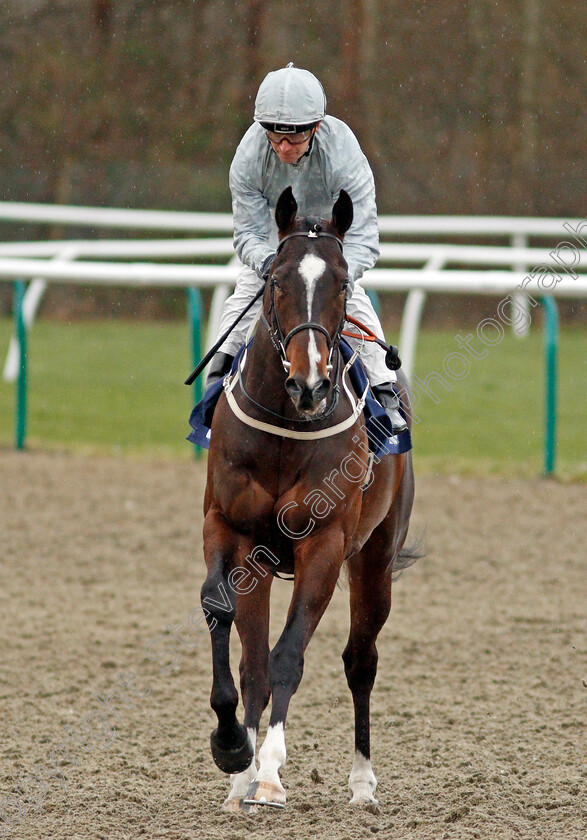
463,107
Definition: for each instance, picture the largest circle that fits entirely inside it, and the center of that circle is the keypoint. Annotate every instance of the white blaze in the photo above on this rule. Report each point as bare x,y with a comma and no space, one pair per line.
311,269
314,358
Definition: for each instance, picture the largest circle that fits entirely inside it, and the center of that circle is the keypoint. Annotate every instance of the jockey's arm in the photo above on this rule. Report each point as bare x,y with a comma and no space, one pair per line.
252,222
361,242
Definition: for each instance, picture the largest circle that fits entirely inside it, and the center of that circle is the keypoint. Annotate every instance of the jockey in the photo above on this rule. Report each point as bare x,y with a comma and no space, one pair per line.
292,142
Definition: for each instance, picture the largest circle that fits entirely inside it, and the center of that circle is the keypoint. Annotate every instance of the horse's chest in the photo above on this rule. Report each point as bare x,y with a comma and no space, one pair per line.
245,500
257,500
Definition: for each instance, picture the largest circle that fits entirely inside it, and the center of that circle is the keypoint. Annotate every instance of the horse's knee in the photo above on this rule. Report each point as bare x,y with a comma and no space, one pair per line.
285,668
218,599
360,667
256,694
255,681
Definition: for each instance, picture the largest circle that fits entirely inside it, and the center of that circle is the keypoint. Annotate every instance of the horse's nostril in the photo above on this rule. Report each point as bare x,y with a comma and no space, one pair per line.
293,387
305,397
320,390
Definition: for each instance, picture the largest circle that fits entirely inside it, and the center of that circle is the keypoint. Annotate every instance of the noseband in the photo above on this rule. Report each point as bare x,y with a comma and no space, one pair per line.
280,342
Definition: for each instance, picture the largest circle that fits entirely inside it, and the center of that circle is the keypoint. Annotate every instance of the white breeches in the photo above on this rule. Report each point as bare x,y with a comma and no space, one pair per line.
359,306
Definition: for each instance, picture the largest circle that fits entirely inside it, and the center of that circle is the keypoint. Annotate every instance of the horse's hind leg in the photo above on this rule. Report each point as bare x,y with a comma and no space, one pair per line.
370,597
252,623
231,748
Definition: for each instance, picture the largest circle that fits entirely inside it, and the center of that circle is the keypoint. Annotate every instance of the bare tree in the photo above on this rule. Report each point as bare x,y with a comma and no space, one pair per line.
255,16
351,51
102,14
528,126
483,59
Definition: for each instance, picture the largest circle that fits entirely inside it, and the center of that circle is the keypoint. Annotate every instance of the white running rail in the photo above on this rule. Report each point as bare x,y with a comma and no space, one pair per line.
501,269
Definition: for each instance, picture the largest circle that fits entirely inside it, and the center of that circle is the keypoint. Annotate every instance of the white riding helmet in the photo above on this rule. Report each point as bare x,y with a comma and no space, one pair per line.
290,100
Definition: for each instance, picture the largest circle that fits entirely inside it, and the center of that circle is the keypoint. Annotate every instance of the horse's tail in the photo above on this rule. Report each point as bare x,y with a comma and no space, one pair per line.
407,556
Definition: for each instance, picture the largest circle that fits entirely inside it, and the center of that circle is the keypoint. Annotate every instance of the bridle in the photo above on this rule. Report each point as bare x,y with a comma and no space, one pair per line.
279,341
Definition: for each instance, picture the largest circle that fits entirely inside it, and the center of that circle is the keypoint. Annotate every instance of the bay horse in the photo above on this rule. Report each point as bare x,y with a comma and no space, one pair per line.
290,490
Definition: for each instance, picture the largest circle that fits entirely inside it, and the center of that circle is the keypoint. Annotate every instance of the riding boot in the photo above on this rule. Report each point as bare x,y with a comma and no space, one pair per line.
219,366
388,398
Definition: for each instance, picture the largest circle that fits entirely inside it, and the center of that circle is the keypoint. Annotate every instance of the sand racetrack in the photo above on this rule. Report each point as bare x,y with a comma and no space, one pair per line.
478,719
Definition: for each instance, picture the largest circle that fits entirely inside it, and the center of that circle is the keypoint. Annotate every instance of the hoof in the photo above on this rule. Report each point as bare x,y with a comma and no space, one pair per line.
368,802
233,760
265,793
239,806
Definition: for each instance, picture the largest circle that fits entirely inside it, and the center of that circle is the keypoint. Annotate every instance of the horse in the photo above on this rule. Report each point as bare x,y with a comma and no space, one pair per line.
291,489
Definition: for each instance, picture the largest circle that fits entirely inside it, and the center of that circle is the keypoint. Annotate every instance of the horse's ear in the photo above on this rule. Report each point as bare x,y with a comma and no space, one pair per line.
342,213
285,212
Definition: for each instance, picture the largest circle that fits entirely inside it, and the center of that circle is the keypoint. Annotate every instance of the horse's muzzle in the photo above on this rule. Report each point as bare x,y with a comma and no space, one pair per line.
307,399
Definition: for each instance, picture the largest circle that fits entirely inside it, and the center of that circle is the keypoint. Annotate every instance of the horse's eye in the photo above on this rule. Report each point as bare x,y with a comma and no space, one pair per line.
344,286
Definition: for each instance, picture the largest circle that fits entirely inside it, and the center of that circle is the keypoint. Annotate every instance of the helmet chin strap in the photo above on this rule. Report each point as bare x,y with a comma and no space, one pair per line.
311,143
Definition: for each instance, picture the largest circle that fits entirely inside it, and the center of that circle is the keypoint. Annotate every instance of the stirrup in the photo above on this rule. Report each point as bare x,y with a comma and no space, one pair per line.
389,400
219,366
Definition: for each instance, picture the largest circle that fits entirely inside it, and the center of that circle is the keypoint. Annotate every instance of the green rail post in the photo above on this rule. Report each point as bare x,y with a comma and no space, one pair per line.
374,298
195,319
21,382
550,382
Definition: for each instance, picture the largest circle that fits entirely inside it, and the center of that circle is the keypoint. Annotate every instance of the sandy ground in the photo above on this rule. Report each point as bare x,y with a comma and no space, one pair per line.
478,710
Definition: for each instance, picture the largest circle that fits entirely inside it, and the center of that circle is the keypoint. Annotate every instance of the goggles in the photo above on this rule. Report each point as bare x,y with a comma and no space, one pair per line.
294,138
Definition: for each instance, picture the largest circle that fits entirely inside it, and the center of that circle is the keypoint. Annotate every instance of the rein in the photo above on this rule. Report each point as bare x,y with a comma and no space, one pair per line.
392,359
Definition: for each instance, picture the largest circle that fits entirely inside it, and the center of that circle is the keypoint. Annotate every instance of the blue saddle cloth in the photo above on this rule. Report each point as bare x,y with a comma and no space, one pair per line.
378,425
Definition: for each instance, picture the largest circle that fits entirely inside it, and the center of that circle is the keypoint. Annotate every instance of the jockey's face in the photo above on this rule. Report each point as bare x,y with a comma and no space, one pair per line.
289,152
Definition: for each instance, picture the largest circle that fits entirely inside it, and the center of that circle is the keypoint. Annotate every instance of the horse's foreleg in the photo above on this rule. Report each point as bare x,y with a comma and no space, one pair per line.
317,567
370,597
240,782
252,623
231,748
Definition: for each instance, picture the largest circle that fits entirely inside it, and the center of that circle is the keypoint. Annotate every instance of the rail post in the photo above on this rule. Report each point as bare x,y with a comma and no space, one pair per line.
195,322
550,382
374,298
21,381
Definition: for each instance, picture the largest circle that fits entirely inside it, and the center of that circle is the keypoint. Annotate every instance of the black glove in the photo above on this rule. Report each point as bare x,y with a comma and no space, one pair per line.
392,359
266,269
